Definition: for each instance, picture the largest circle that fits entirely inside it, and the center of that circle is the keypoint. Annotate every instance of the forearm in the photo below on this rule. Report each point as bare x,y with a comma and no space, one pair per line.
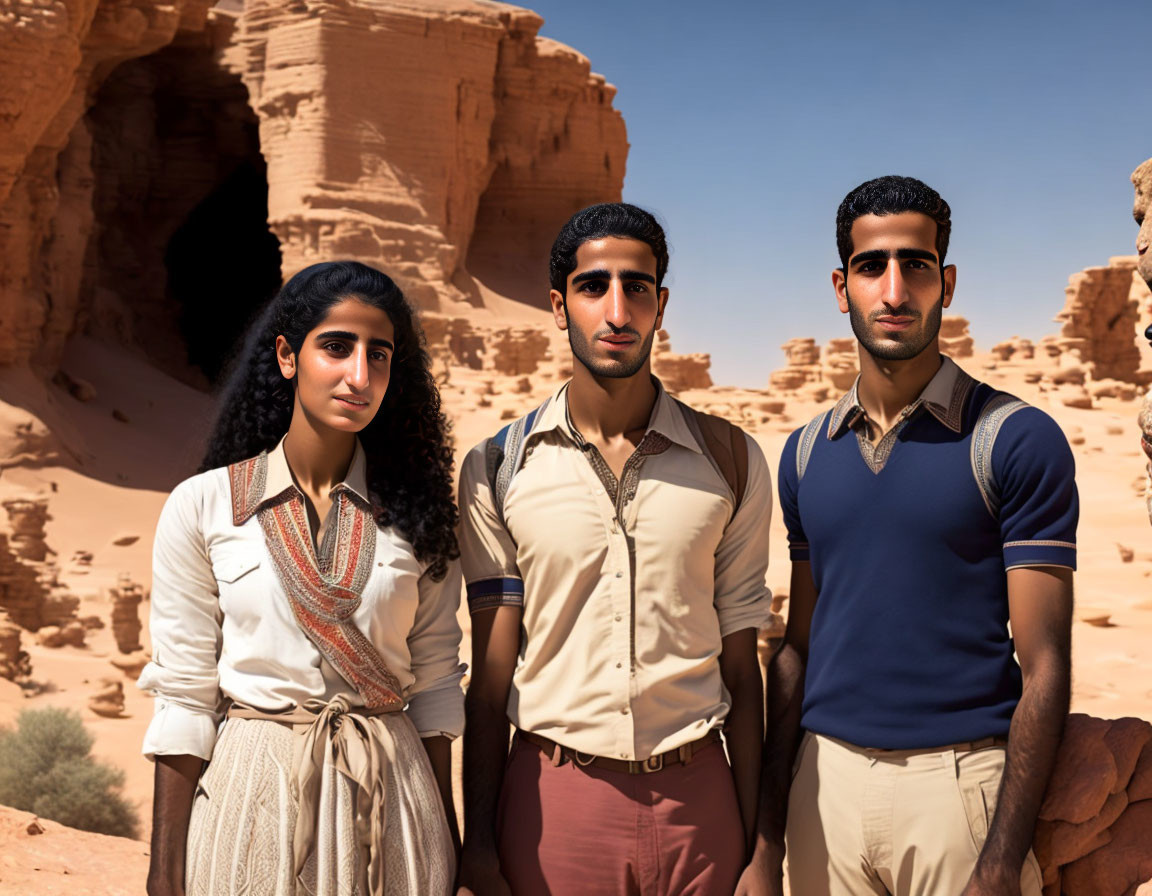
486,736
174,788
1034,737
744,735
439,750
784,696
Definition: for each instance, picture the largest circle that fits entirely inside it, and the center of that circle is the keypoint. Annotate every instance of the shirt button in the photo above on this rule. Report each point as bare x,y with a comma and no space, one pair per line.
619,575
624,711
618,618
619,665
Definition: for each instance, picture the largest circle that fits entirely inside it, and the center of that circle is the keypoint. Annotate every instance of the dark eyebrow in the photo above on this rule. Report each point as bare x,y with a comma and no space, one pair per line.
352,337
601,274
885,254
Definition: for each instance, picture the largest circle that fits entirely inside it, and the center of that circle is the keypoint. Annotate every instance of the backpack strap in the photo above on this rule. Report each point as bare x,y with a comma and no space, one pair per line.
505,453
808,435
725,446
996,410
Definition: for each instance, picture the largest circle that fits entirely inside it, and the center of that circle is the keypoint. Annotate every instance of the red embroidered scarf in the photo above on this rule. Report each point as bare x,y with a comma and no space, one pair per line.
324,586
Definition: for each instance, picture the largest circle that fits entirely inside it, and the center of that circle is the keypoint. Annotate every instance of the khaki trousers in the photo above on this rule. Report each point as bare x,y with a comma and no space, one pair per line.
905,822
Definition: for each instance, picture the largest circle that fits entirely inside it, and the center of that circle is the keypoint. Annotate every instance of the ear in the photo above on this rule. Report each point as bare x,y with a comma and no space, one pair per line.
661,304
949,283
558,313
286,358
840,284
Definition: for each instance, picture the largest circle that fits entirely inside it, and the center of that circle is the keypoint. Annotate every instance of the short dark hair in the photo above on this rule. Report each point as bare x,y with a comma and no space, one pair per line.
598,221
891,195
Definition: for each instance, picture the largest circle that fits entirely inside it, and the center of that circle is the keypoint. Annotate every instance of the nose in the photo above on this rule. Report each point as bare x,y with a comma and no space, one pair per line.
616,313
895,289
356,369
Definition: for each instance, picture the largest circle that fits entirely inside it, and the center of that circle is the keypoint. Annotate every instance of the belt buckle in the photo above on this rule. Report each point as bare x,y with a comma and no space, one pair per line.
653,763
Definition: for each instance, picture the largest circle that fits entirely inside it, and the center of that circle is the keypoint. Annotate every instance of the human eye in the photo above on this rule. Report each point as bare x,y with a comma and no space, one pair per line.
916,264
638,286
336,347
592,287
869,267
379,355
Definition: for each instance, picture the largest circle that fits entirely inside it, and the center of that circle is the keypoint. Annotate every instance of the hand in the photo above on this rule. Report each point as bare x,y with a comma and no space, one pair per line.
480,875
757,880
764,875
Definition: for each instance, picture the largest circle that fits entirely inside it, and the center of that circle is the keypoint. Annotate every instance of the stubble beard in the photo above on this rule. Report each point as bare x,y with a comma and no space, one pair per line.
894,349
610,369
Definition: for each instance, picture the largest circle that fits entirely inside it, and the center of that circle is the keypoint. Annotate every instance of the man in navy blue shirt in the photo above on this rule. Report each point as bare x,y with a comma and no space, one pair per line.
926,512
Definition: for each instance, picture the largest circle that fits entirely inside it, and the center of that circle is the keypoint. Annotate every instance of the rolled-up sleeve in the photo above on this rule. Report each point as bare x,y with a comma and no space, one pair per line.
184,625
435,699
742,598
487,551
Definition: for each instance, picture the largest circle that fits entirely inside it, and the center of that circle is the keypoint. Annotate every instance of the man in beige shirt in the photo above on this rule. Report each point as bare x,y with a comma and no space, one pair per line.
615,566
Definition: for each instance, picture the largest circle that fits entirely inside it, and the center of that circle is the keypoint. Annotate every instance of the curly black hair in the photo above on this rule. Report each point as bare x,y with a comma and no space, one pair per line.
407,444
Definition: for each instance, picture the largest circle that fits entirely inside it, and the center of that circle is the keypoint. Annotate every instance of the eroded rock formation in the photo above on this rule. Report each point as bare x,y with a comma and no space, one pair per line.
126,597
955,340
133,140
495,130
1100,321
14,662
679,372
1092,838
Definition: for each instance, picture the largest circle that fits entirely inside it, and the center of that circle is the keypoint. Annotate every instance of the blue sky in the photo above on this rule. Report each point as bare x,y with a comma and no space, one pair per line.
749,121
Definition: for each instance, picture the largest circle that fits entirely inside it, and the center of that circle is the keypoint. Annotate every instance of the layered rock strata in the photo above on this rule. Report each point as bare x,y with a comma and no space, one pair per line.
494,130
955,340
1101,322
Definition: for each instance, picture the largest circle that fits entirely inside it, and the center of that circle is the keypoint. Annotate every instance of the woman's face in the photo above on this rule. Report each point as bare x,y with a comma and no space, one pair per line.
343,367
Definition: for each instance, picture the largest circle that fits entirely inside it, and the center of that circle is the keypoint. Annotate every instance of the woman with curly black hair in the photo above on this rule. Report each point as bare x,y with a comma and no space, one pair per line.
304,596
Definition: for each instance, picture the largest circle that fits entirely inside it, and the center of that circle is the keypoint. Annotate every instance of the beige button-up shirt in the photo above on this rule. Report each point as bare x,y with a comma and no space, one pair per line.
627,588
221,624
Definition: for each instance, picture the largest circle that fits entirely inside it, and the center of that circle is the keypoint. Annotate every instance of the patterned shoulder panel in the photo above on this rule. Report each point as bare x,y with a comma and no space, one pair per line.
998,408
247,478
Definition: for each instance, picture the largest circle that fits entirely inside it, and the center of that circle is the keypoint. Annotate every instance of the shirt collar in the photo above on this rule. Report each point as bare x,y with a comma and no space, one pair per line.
278,478
943,397
666,418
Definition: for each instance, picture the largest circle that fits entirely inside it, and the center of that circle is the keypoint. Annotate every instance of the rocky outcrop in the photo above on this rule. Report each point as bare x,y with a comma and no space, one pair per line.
1015,348
26,519
517,351
53,57
126,597
14,662
817,372
955,341
108,701
1092,836
133,140
679,373
45,857
495,129
1100,322
1142,209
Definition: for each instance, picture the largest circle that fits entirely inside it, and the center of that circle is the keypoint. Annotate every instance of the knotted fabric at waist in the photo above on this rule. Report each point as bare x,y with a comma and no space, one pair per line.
356,742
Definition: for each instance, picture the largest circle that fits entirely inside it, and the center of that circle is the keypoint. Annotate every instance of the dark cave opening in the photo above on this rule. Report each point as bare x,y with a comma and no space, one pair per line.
181,256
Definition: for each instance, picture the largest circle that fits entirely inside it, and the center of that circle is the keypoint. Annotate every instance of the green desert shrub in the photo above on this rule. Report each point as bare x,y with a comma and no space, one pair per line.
46,767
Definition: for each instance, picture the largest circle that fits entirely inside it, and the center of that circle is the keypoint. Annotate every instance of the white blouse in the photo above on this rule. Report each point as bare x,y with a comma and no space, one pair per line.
222,626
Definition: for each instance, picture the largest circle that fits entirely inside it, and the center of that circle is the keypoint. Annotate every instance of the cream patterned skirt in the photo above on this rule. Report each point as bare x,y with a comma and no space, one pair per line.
244,816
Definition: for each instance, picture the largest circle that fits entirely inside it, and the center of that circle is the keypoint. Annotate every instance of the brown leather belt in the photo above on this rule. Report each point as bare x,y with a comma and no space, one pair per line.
680,756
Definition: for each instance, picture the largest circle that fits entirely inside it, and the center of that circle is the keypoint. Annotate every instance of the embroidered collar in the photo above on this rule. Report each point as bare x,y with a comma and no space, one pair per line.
666,419
255,485
943,398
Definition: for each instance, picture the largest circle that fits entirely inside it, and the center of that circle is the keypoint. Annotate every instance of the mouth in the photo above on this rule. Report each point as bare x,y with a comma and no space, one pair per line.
617,343
352,404
894,324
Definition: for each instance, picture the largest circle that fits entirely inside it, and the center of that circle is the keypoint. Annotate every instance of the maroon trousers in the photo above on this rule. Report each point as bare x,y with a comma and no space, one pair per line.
571,831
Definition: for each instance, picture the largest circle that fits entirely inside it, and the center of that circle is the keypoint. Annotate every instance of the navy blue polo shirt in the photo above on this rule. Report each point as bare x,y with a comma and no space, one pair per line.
909,644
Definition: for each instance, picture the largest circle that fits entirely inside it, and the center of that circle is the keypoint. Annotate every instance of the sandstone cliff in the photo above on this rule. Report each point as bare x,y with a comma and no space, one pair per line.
157,161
